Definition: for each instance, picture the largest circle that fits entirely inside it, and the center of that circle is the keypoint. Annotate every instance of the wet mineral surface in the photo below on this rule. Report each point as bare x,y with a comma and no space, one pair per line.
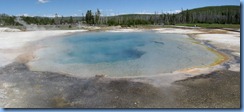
22,88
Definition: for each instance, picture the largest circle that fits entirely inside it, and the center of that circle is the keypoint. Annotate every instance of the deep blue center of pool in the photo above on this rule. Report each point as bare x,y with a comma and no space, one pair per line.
105,47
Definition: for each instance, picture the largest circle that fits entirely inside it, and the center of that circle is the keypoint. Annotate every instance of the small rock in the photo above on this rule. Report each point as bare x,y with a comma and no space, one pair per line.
100,76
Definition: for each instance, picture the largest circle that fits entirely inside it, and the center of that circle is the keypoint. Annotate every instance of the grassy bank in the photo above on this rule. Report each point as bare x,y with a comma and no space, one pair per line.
235,26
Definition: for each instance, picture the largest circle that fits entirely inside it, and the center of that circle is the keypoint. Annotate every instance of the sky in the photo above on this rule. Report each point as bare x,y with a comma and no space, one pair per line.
107,7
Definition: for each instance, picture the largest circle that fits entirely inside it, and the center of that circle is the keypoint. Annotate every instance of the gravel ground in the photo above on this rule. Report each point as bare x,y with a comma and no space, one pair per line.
22,88
220,89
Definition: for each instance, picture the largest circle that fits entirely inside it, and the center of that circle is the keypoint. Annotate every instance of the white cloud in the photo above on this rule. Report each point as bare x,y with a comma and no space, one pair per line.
145,12
43,1
173,12
111,14
50,15
165,12
25,15
107,12
75,14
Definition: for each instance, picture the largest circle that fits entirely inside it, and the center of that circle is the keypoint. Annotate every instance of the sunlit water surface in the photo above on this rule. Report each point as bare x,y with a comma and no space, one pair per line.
120,54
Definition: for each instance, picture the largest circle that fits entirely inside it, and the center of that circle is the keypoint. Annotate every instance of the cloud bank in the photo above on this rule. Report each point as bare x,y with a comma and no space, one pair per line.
43,1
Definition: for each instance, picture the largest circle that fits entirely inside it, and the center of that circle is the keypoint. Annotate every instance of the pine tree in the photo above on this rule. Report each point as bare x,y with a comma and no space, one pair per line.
71,21
97,16
89,17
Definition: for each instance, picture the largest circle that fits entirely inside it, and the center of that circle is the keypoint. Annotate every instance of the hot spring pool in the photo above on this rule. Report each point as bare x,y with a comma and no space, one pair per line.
120,54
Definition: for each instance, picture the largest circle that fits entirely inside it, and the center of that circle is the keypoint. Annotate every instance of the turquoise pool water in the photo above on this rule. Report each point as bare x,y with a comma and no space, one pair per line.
92,48
120,54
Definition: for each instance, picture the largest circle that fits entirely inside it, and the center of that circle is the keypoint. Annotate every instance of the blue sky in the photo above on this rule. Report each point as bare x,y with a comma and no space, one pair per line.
107,7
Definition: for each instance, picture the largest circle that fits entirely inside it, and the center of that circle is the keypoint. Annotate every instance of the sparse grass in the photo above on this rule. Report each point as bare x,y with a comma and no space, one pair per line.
152,26
235,26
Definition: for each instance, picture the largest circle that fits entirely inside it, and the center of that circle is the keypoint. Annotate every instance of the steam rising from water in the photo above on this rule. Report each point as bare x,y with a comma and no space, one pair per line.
32,27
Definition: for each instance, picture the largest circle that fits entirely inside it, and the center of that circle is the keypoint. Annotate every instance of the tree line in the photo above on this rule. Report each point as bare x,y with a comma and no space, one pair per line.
210,15
6,20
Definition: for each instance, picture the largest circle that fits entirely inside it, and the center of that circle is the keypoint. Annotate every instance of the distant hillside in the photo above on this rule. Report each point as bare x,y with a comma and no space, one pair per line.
213,9
216,8
211,14
214,14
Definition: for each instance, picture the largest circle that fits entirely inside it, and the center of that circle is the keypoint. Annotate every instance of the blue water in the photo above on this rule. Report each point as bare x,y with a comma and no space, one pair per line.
105,47
120,54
